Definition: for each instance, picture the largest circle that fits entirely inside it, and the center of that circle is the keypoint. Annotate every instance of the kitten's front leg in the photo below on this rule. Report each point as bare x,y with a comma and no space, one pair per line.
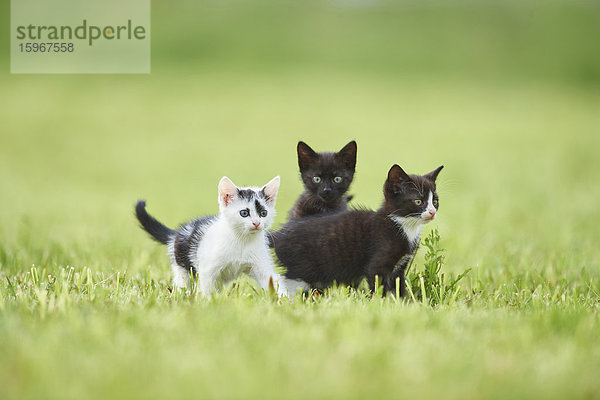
381,278
279,282
390,285
399,273
293,286
380,269
206,282
263,273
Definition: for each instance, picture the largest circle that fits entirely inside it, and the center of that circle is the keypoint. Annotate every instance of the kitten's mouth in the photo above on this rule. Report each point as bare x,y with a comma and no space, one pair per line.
327,198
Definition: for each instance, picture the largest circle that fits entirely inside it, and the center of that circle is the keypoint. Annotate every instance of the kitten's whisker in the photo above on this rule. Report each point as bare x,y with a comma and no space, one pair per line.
415,214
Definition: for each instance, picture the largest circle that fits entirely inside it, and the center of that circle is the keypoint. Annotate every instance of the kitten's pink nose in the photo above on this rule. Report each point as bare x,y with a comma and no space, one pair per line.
432,213
256,224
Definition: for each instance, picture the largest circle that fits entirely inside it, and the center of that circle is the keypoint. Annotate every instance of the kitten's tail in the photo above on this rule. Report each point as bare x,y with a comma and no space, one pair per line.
158,231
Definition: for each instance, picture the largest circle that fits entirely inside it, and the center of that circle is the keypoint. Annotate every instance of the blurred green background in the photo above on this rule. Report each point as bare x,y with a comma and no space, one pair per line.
505,94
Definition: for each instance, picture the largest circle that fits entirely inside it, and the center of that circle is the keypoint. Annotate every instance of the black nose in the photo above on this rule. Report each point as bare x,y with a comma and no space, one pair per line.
326,193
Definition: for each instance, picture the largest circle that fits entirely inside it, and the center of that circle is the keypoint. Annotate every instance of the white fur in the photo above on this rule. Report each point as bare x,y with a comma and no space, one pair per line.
430,208
224,253
412,226
295,285
232,244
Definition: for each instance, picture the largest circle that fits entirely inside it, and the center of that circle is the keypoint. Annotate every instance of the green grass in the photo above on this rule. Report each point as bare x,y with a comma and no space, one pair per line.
81,333
508,104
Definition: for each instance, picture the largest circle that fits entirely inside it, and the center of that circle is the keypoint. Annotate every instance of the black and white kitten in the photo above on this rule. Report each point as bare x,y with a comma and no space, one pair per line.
327,177
219,248
348,246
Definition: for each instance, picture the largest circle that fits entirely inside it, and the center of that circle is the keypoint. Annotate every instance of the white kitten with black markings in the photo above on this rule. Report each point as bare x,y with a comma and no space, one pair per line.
217,249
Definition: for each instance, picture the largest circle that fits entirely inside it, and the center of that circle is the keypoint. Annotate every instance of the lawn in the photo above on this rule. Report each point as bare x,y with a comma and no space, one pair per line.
509,104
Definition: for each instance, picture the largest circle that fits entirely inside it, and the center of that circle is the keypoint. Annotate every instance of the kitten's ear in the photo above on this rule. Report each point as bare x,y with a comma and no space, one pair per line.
432,176
396,177
270,190
306,155
348,154
227,190
397,174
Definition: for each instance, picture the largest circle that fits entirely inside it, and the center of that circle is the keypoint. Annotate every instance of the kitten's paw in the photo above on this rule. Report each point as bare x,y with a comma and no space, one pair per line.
293,286
276,284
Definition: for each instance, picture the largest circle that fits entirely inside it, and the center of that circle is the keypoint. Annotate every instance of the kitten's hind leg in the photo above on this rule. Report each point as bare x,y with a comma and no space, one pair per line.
182,277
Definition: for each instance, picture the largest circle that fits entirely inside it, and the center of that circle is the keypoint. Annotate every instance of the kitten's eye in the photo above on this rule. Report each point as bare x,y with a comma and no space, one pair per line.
263,213
337,179
418,202
316,179
435,203
244,213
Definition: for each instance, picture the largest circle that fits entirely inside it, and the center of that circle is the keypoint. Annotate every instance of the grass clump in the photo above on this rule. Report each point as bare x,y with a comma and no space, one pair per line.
431,285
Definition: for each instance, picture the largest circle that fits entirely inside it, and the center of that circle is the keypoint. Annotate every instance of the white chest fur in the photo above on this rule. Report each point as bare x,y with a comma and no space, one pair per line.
411,227
223,247
224,254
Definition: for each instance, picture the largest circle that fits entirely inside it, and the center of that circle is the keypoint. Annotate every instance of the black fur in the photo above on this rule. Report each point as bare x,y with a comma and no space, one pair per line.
347,246
158,231
249,194
326,196
258,206
186,239
246,194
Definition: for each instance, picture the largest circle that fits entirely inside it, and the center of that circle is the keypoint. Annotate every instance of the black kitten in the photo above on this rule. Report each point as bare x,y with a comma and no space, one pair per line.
327,177
348,246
